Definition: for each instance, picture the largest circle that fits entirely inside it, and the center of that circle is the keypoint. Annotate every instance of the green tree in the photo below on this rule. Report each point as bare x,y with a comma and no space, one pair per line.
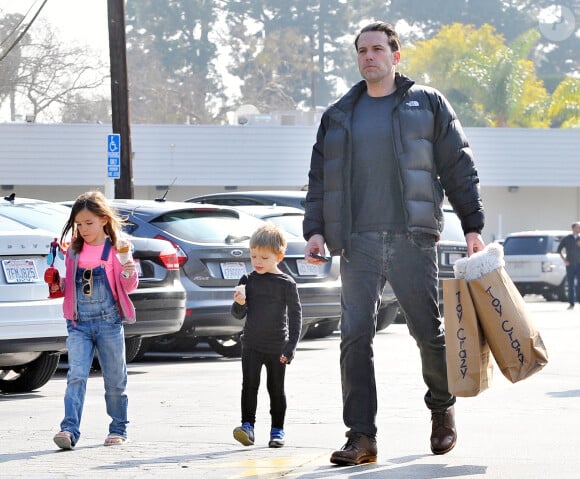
80,109
429,17
554,59
505,82
52,72
565,105
289,48
489,83
42,73
11,55
174,38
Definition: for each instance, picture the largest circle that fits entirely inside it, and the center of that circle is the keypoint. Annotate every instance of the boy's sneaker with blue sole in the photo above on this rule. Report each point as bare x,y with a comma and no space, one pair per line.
276,437
244,434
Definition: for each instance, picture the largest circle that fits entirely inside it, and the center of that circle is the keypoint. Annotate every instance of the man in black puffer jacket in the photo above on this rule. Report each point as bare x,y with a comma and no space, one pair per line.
385,155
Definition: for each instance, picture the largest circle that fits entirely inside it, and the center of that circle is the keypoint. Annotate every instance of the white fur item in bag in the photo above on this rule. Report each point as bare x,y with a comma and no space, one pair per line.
480,263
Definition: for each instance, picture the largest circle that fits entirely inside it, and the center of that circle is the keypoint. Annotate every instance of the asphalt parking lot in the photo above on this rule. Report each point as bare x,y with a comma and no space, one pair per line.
184,406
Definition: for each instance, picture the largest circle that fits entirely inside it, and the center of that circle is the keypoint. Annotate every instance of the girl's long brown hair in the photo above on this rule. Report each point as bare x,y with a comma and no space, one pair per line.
96,203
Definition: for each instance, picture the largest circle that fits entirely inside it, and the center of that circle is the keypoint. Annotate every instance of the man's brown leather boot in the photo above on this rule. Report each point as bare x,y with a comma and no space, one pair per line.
359,449
443,435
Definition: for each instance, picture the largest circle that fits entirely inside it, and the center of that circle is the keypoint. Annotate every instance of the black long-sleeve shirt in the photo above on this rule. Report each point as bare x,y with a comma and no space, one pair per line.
273,313
572,246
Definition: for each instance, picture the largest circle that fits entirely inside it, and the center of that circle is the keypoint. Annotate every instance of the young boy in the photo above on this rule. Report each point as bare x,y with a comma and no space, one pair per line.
269,301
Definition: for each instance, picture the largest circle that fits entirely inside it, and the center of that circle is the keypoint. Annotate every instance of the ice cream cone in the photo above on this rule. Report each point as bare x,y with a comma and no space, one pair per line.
123,251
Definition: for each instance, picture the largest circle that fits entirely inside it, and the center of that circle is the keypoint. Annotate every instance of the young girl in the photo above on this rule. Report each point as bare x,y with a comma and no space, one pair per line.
269,301
96,303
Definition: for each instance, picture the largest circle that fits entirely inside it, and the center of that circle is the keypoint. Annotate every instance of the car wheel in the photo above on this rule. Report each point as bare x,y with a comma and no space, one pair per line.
228,347
31,376
551,296
132,346
387,315
143,349
322,328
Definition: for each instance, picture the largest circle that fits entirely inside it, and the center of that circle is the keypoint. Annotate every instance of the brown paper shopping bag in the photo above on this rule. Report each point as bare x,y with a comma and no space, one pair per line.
513,339
469,362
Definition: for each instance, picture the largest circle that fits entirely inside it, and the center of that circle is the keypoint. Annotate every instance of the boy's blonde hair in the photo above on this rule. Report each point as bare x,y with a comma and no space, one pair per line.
271,237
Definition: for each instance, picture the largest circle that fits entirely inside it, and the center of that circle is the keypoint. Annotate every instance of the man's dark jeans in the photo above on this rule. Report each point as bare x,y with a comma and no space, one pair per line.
409,263
573,277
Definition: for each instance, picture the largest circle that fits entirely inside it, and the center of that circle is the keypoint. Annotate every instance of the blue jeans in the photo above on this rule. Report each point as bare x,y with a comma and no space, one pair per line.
573,277
99,329
409,263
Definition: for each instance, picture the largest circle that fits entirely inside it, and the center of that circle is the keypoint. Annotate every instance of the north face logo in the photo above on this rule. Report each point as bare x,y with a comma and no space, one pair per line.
412,103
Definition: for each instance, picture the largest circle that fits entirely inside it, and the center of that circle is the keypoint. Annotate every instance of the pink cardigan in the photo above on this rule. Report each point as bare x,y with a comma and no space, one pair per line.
123,285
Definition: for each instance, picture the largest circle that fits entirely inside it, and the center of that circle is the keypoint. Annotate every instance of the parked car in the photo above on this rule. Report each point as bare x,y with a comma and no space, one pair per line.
293,198
286,208
32,332
213,253
160,298
534,265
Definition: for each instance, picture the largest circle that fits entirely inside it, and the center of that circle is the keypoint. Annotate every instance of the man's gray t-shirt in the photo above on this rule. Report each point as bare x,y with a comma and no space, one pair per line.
377,203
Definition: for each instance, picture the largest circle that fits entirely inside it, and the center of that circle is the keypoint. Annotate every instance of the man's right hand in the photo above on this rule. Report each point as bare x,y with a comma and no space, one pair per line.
314,245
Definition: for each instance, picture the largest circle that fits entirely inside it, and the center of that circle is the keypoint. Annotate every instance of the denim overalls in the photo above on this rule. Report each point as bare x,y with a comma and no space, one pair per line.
98,327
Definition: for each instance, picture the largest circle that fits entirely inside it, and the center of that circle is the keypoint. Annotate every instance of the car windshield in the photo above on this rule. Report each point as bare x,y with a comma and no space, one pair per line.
518,245
48,216
215,226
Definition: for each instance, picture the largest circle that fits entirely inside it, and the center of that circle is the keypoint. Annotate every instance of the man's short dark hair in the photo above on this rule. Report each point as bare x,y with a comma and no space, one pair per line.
387,29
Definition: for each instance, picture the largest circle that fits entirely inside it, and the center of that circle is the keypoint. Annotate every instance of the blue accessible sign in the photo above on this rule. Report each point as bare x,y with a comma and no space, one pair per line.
114,155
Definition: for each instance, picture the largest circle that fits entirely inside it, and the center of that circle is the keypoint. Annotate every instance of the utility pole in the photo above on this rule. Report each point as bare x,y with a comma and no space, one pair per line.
120,95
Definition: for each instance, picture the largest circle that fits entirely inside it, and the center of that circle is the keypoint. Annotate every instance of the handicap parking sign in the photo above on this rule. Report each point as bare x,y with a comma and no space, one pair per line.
114,155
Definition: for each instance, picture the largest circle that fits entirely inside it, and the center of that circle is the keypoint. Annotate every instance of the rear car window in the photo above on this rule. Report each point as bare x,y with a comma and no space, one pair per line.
6,224
526,245
290,223
49,216
215,226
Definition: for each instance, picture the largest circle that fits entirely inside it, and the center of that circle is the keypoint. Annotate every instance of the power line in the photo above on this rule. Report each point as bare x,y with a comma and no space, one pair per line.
17,26
17,40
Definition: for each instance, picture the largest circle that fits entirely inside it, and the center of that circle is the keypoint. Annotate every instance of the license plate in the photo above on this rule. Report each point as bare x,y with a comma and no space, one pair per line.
307,269
233,270
20,271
